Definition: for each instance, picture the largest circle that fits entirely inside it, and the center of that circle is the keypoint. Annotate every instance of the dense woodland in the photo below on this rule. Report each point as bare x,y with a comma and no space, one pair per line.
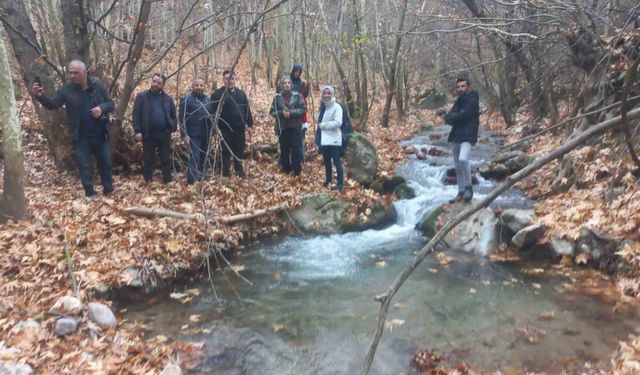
553,76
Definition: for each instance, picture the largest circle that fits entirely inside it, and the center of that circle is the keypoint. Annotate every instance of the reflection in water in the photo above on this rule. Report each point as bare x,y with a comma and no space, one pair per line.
311,310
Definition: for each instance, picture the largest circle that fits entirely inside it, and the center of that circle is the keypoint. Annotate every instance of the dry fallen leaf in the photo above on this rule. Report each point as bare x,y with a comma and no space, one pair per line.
393,324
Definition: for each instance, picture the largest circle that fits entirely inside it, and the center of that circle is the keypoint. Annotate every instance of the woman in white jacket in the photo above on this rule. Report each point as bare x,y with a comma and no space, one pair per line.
329,122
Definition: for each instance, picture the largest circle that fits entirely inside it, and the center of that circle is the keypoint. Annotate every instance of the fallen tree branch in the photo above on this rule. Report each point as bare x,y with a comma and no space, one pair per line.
152,213
563,122
385,298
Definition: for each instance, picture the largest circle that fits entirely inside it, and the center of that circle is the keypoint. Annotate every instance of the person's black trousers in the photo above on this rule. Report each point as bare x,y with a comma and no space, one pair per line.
86,148
232,146
160,141
290,150
198,147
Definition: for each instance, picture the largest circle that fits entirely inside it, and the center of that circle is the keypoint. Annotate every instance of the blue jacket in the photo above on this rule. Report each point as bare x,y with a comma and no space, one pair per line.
195,115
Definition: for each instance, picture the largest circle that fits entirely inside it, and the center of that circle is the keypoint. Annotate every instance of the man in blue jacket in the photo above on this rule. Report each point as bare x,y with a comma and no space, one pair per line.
88,103
464,118
154,119
195,116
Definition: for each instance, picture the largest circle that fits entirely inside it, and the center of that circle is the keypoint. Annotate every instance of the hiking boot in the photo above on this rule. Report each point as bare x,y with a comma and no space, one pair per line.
457,198
468,194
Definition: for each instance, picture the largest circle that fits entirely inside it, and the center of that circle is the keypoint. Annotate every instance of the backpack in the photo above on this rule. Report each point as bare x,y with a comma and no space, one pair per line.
346,127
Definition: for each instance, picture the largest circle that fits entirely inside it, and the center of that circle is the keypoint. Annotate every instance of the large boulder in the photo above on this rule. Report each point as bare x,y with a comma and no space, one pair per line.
386,185
362,159
325,214
431,99
516,219
320,213
450,178
478,233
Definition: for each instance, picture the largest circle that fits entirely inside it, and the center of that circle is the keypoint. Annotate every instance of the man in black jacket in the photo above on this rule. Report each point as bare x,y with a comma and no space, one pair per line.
464,117
195,112
88,103
154,119
235,120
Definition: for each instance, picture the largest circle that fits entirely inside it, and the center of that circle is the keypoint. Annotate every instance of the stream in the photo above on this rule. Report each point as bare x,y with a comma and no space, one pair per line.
311,309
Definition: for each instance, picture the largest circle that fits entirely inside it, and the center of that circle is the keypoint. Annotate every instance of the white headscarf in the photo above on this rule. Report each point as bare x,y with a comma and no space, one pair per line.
331,101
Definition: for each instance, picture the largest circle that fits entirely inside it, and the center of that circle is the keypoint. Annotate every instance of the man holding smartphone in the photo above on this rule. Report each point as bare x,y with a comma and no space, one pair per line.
88,103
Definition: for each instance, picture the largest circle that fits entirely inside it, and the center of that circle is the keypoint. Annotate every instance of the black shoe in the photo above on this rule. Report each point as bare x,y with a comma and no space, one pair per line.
337,187
327,184
457,198
107,191
468,194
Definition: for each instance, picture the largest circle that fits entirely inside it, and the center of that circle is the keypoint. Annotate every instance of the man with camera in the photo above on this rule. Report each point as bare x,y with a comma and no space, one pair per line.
88,103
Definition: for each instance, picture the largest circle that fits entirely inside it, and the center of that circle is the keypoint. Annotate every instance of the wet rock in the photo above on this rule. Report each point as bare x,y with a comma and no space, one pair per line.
477,234
362,158
66,305
171,369
11,368
101,315
404,191
381,216
428,223
131,276
561,247
505,164
528,236
516,219
320,213
65,326
450,178
386,185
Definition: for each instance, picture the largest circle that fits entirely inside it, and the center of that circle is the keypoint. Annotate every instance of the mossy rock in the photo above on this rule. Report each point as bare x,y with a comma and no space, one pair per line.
429,221
404,191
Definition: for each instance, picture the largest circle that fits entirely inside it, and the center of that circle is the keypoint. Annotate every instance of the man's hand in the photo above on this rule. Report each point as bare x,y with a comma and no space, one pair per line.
187,140
138,137
37,90
96,112
441,112
287,113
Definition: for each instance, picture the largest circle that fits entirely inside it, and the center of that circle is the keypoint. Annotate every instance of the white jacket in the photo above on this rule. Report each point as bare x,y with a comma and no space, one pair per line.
330,133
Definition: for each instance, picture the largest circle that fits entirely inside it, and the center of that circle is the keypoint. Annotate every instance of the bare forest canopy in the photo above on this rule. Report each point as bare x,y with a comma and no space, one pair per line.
523,56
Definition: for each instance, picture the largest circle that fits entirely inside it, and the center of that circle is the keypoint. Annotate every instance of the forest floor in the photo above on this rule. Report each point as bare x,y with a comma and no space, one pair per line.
96,240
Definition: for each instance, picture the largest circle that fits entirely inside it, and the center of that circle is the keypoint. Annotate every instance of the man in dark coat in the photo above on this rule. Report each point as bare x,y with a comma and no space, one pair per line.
288,107
235,122
464,117
154,119
195,112
88,103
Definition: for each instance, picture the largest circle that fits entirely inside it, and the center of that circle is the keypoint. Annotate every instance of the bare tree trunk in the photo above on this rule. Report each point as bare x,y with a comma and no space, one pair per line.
14,205
115,131
283,32
28,53
393,66
75,32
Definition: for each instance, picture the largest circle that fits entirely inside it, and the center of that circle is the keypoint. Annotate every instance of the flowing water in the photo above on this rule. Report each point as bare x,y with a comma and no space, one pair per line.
311,309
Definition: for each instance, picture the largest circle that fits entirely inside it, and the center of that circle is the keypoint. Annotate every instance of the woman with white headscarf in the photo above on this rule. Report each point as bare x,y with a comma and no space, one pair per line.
329,123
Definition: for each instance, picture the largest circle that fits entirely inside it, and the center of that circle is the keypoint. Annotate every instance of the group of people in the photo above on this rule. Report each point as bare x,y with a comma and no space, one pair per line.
225,116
